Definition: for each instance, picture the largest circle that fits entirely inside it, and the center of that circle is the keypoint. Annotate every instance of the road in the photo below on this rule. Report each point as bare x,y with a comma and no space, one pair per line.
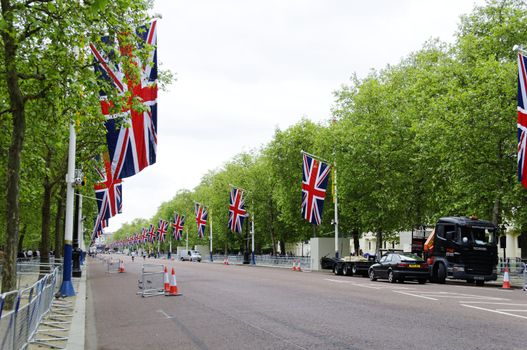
243,307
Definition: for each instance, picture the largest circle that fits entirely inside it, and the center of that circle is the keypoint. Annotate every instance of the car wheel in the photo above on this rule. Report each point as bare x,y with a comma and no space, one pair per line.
441,273
182,259
372,275
391,277
422,280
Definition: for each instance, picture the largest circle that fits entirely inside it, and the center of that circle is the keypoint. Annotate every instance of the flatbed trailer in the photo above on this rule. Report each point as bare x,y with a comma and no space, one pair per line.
353,265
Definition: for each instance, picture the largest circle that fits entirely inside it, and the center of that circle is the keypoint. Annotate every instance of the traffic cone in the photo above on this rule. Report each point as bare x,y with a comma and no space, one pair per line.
165,278
294,266
121,266
506,282
173,286
226,261
298,268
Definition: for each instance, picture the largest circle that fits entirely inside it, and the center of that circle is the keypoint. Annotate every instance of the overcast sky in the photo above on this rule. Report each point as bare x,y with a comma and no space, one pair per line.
246,67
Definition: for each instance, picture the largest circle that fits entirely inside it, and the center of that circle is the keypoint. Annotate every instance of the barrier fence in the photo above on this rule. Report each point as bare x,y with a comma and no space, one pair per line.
266,260
151,282
22,310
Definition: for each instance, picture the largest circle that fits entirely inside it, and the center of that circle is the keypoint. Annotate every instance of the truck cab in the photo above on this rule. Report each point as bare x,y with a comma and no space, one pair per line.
462,248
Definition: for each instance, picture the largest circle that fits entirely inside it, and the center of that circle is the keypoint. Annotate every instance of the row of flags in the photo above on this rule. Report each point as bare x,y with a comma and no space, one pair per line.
131,132
237,213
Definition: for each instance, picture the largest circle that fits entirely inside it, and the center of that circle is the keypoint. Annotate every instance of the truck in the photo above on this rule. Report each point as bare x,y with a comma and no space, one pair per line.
462,248
353,265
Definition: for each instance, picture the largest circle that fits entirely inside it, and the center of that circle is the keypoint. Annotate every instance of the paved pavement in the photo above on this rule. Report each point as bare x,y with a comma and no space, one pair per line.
240,307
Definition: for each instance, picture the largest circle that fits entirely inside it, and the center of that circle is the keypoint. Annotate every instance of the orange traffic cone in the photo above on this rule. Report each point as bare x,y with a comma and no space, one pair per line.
226,261
294,266
173,286
506,282
121,266
165,278
298,268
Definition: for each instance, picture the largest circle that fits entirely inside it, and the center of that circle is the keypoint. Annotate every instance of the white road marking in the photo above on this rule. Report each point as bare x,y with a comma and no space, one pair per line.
353,284
165,314
512,310
494,311
414,295
489,302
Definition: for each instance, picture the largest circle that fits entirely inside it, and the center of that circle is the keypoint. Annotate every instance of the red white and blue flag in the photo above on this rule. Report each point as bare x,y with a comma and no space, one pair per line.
162,230
314,182
151,234
522,119
108,191
201,219
98,227
132,147
144,235
237,212
178,224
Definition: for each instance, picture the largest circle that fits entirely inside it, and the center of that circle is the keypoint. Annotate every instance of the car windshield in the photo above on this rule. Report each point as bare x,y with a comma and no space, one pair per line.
410,257
478,235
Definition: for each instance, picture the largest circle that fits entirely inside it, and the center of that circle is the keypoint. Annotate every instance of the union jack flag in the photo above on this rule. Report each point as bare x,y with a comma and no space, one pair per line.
237,212
108,191
144,235
133,147
151,234
179,222
201,219
98,227
314,182
522,119
162,230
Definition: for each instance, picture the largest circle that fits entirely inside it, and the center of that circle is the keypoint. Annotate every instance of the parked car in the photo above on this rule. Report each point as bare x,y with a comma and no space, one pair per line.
192,255
400,267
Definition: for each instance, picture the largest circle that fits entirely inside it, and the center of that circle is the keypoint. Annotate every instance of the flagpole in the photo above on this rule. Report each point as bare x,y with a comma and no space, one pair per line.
210,226
253,261
66,288
336,213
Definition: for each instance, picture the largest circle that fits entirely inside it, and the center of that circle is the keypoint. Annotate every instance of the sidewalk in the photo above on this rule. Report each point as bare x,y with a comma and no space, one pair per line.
64,326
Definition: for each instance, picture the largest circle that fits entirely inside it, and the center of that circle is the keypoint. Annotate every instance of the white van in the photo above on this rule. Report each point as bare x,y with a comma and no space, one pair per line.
192,255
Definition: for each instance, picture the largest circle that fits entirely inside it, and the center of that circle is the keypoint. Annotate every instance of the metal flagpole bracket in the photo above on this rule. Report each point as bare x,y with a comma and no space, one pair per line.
317,157
519,48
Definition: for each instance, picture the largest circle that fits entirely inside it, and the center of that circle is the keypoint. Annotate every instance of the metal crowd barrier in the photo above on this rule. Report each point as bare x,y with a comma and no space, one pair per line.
267,260
112,265
21,311
151,282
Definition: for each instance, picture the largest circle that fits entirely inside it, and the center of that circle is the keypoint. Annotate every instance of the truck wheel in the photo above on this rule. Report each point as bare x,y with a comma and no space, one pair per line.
391,277
345,270
336,270
422,280
441,273
372,275
354,269
480,283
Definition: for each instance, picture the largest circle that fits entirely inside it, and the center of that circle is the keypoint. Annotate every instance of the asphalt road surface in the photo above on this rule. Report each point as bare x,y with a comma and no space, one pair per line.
243,307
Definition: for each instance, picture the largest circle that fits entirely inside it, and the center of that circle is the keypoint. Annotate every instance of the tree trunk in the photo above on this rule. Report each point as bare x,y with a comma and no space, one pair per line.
356,243
16,106
59,222
46,223
21,238
378,244
271,219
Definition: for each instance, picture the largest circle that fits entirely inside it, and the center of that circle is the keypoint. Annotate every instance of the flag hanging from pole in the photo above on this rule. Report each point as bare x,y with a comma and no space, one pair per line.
201,219
237,212
162,230
314,182
522,119
151,234
179,223
108,191
132,147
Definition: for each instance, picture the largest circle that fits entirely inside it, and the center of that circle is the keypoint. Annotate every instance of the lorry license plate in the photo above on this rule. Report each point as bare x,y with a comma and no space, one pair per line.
415,265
